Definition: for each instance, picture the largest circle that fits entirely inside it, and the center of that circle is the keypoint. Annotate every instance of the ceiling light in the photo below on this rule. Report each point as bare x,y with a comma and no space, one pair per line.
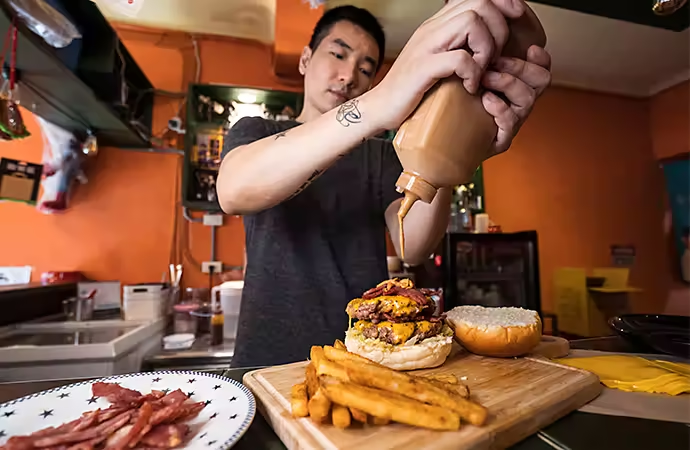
667,7
246,98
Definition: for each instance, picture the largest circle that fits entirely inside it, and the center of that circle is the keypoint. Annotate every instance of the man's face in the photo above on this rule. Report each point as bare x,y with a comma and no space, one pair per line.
341,67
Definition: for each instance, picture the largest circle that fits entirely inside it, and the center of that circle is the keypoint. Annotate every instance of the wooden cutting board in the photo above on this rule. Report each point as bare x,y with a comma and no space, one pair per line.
522,395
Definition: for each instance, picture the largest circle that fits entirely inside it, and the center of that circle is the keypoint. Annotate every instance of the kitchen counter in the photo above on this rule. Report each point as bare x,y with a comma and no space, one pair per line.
577,431
25,302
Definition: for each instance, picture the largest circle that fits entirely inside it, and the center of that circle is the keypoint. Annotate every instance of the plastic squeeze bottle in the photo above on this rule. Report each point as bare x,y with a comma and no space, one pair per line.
446,138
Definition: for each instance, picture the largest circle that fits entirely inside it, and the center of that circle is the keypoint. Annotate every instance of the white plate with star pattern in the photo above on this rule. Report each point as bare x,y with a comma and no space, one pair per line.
228,412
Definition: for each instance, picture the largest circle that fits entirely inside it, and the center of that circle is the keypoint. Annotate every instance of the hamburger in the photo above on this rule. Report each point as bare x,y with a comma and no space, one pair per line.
396,327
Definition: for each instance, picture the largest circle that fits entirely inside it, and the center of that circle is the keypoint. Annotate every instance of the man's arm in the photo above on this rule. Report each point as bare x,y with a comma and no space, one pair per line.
262,174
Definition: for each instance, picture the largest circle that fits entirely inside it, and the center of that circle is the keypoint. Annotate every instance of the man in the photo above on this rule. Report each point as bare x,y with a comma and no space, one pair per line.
318,193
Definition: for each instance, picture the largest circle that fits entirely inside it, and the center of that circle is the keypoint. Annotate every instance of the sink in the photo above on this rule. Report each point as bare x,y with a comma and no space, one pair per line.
66,335
94,348
71,339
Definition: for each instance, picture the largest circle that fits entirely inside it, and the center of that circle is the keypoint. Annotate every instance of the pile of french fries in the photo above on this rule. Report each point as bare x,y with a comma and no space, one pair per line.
345,388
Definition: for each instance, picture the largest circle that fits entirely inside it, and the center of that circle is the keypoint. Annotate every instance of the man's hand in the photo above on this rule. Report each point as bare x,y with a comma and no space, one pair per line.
437,50
521,82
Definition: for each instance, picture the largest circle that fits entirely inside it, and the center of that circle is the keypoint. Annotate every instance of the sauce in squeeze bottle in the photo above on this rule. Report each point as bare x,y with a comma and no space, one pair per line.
217,321
449,134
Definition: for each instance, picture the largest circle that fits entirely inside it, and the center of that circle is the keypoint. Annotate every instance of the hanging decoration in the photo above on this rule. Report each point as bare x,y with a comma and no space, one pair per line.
45,21
667,7
11,122
64,156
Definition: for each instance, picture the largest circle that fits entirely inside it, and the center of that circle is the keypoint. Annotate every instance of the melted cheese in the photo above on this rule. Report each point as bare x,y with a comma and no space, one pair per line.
424,326
402,332
398,305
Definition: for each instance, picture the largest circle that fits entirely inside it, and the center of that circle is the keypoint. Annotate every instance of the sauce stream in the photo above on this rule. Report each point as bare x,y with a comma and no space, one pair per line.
401,235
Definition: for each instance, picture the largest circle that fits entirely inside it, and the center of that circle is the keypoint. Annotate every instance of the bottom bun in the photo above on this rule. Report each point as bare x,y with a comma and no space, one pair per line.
431,352
502,332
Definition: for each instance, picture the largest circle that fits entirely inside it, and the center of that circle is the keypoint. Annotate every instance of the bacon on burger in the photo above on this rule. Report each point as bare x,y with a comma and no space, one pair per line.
396,327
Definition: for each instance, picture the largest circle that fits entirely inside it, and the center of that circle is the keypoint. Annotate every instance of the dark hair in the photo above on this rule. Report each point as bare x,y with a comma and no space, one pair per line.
357,16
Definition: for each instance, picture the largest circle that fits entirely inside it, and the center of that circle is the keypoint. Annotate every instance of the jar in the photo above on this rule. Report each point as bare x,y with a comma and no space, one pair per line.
203,315
183,321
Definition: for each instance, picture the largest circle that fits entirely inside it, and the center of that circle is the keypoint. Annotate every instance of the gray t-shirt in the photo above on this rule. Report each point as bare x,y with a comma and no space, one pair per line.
310,255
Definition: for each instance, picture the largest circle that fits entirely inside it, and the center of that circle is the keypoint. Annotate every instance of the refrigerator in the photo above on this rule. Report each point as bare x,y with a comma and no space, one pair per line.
491,269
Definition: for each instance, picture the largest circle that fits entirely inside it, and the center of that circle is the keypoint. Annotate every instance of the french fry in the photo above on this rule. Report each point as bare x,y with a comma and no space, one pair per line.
380,421
337,355
319,406
460,389
298,400
316,355
339,345
376,376
389,405
341,416
311,379
358,415
332,369
443,377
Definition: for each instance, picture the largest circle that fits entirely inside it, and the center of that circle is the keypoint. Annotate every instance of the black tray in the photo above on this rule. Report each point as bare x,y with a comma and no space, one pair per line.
655,333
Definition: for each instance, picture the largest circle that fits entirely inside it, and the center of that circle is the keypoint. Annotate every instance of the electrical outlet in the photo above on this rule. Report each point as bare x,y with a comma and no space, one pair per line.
213,220
217,266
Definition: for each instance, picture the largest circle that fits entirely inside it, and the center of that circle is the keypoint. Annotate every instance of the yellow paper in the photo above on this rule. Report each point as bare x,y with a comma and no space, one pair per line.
635,374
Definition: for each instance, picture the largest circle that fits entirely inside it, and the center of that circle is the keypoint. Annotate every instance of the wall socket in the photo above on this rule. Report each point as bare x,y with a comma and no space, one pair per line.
213,220
217,266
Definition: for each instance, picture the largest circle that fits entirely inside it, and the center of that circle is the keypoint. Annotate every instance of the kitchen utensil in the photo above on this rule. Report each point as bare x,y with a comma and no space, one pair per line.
523,395
653,333
79,309
228,414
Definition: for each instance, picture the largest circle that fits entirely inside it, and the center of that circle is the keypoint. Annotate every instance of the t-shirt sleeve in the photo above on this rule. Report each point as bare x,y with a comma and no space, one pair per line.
245,131
391,169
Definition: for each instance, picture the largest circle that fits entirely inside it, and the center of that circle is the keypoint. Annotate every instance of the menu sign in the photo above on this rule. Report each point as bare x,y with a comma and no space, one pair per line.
19,180
622,255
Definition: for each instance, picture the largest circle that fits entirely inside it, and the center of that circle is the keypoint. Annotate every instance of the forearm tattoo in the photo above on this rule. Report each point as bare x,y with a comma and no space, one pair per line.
280,135
349,113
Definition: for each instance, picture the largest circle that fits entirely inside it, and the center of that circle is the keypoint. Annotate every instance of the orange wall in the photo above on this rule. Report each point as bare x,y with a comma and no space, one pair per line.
670,121
121,223
670,131
581,172
564,176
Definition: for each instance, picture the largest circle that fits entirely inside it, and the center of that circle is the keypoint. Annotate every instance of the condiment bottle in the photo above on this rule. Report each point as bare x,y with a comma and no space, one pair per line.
217,321
446,138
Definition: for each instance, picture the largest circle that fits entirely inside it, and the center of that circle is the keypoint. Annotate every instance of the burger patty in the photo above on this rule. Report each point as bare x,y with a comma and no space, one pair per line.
387,308
399,333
